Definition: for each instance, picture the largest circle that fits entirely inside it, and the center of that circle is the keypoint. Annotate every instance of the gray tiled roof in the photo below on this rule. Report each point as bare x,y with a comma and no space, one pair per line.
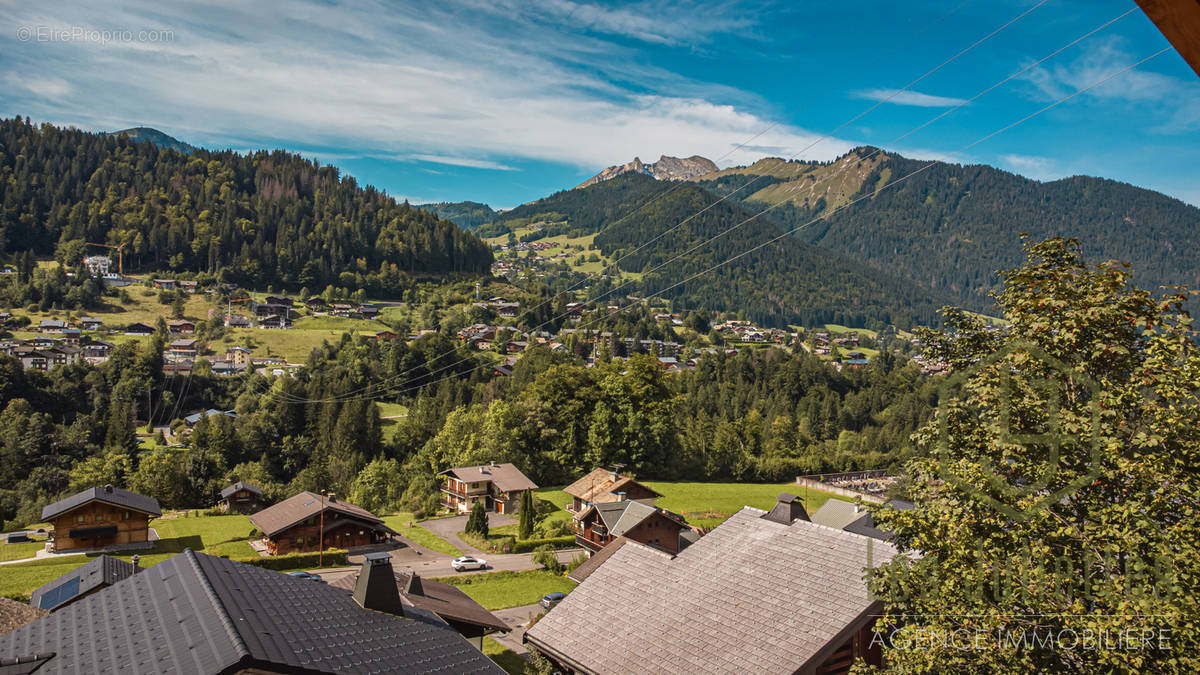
753,595
837,514
110,495
103,571
199,614
227,492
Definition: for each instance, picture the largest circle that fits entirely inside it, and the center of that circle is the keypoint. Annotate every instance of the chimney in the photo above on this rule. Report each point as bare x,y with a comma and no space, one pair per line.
332,497
620,496
614,476
108,488
135,560
788,509
376,586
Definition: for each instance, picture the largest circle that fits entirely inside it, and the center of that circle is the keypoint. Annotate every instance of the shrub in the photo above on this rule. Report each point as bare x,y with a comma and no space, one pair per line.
334,557
527,545
546,557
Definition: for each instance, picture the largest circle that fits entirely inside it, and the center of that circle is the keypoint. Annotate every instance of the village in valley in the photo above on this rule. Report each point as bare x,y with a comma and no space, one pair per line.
391,348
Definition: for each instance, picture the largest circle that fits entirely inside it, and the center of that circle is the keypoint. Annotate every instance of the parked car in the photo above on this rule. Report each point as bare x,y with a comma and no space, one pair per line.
305,575
468,563
551,599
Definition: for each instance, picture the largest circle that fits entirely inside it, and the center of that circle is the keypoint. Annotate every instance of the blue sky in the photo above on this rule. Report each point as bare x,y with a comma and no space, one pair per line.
504,101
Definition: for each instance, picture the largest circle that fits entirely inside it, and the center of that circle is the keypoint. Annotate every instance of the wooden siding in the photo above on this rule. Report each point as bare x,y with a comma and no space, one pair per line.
132,526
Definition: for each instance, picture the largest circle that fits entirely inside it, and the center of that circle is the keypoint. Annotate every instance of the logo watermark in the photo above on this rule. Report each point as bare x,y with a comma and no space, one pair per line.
1020,485
92,35
1056,639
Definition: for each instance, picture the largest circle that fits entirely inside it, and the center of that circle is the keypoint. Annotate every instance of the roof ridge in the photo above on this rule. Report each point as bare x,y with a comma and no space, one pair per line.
226,620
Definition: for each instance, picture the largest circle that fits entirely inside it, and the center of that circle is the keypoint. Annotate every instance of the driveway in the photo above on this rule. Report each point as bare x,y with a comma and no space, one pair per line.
518,619
448,529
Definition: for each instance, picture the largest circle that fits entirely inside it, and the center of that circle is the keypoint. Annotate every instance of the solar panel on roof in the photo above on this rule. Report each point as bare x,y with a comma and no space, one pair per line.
59,594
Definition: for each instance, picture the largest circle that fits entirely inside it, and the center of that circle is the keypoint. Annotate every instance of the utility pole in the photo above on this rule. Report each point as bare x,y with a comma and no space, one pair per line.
321,535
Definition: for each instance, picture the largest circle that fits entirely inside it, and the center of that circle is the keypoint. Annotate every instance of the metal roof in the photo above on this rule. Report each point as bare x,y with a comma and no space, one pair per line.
107,494
196,613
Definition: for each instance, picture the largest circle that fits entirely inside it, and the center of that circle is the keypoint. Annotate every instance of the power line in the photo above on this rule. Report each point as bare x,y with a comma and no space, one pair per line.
792,231
811,145
389,388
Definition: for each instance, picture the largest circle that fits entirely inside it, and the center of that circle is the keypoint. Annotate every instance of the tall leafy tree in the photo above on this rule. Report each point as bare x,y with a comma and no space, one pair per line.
1059,496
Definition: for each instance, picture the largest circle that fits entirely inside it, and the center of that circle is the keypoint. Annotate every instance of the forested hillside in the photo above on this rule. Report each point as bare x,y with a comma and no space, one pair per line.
951,227
467,215
258,219
785,282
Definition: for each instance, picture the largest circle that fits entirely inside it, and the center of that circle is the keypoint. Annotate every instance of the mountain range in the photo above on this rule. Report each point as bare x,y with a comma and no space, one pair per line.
666,168
943,230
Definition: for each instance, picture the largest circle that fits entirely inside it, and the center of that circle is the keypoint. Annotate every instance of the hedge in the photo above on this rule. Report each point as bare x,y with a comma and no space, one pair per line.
335,557
527,545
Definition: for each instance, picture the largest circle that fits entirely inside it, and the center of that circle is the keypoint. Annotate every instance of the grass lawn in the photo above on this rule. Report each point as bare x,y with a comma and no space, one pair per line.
214,535
708,504
512,662
501,590
391,409
19,551
423,537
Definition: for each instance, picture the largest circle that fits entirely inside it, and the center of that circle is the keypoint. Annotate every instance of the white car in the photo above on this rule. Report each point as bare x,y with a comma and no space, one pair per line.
468,563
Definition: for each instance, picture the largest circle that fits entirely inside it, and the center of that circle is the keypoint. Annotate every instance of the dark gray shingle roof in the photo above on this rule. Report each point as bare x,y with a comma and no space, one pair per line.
195,613
107,494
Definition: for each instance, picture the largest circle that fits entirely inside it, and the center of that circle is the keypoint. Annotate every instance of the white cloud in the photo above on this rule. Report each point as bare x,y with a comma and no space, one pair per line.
1174,102
464,161
913,98
396,81
1030,166
53,88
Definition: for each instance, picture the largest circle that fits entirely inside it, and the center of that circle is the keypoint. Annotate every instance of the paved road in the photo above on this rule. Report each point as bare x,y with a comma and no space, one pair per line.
517,619
448,529
411,557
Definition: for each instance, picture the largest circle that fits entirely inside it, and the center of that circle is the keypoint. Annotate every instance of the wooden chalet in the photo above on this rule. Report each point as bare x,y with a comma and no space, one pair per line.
101,517
603,486
599,525
241,498
498,486
309,522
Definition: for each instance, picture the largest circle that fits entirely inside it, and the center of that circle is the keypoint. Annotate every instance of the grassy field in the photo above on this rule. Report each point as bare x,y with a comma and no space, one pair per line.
510,661
423,537
501,590
708,504
19,551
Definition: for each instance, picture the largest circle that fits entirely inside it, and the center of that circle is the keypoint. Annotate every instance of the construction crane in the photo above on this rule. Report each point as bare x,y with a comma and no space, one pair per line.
120,258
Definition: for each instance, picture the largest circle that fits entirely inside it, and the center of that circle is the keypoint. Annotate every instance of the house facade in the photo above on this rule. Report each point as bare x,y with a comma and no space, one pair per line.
498,486
600,525
310,522
101,517
241,498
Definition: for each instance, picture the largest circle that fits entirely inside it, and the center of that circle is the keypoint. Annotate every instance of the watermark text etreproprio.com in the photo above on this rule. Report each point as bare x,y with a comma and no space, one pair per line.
93,35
